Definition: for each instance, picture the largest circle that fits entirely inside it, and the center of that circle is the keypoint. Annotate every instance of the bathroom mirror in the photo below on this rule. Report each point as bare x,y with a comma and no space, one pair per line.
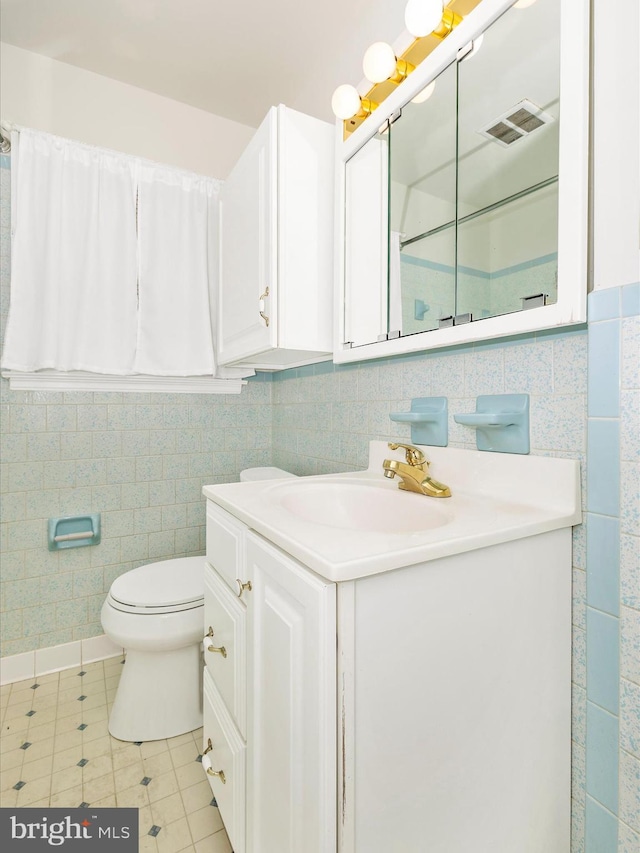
464,209
421,278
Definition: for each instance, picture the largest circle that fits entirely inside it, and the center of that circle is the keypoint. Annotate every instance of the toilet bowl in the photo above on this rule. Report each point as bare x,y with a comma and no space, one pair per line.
156,613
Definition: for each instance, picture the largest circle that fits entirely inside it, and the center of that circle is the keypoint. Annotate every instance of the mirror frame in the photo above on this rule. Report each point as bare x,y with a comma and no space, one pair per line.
573,194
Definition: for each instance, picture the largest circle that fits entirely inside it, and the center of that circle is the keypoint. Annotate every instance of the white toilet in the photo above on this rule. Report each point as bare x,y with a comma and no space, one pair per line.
156,613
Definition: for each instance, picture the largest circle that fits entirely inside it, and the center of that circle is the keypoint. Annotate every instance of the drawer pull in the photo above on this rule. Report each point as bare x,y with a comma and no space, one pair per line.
206,763
220,650
242,586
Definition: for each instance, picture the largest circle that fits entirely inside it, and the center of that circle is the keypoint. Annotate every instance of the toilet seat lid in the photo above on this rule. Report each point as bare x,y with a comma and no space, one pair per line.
170,583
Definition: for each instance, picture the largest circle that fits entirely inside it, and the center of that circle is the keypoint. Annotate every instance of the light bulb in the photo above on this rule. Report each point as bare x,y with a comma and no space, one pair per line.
523,4
345,102
379,62
425,94
421,17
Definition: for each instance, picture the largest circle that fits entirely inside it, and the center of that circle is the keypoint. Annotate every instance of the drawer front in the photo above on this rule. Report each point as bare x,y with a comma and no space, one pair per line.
225,619
227,756
225,543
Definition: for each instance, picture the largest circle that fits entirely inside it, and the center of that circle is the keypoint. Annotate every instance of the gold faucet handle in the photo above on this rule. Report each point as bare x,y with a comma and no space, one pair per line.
414,455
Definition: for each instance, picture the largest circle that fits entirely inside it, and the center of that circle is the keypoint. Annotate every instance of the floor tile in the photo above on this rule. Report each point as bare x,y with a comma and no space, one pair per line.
189,774
61,733
204,822
97,789
163,786
71,798
97,767
155,765
129,775
196,797
174,837
154,747
184,754
168,809
134,797
218,843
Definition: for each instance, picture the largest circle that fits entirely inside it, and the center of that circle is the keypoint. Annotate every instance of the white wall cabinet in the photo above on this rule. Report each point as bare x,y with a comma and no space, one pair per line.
276,246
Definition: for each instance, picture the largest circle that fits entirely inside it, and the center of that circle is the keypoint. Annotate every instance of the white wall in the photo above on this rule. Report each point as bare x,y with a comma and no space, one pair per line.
44,94
615,144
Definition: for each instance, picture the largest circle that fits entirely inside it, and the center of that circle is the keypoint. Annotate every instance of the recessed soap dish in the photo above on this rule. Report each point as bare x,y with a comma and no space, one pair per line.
501,422
428,419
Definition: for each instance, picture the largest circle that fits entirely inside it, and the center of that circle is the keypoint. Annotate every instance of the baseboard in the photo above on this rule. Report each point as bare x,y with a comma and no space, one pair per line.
56,658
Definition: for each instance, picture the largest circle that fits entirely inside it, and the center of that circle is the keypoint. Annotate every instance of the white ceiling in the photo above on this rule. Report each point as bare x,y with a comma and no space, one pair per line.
232,59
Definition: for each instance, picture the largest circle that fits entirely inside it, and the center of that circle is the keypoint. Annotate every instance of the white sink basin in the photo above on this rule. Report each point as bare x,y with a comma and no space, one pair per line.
364,507
350,525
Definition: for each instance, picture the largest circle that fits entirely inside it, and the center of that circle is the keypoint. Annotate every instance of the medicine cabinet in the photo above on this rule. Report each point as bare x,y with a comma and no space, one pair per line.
463,206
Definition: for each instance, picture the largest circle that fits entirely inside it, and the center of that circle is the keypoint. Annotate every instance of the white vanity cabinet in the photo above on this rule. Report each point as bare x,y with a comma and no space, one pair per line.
276,246
426,708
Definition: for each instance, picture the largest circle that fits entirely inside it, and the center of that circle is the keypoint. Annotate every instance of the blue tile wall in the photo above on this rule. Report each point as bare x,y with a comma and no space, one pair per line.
603,563
613,572
603,653
601,828
603,473
604,369
602,757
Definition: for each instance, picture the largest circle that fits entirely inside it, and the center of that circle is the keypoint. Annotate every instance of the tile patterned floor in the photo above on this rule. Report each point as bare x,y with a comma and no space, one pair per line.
55,750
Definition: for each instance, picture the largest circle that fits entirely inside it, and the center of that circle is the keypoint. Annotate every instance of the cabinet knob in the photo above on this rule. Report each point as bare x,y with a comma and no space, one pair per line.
261,299
242,586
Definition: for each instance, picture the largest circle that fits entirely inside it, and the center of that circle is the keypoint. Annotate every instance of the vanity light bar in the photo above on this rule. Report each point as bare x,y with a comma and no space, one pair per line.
385,70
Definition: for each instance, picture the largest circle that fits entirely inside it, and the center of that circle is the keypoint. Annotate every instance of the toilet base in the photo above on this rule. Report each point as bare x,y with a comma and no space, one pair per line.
159,695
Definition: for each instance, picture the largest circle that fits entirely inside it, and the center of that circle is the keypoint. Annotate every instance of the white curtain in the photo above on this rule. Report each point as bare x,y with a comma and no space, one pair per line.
73,280
175,221
113,261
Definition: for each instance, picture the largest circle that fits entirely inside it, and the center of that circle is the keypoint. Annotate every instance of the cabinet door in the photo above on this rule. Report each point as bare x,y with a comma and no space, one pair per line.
248,237
291,744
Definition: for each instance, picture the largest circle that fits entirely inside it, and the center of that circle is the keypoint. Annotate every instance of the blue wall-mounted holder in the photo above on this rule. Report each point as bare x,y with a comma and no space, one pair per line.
501,422
74,531
428,419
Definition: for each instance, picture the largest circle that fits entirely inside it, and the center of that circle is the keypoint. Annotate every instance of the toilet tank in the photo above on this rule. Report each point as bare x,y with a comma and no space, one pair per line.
250,474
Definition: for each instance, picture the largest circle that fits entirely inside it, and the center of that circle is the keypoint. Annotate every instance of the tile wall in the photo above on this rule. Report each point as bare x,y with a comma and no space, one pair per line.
613,573
138,459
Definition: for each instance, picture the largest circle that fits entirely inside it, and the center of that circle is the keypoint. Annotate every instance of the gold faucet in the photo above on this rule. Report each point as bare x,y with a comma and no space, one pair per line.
414,473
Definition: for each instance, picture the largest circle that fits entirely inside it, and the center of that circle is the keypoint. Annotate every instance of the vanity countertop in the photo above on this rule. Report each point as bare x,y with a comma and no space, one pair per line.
351,525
